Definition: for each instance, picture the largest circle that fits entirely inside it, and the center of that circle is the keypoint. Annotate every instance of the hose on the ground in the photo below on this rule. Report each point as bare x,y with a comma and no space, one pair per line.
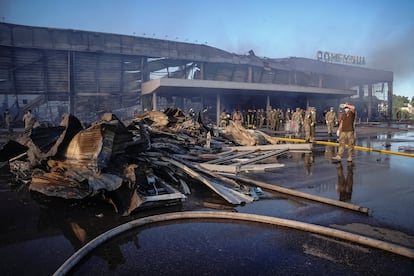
297,140
72,261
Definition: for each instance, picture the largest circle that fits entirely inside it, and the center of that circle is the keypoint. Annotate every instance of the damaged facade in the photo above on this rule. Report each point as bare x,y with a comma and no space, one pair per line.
57,71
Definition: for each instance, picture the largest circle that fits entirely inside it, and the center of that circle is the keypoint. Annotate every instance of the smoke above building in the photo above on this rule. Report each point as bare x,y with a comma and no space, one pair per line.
396,55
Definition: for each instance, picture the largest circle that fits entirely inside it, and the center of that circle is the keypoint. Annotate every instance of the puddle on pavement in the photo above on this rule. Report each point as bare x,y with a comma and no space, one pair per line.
378,233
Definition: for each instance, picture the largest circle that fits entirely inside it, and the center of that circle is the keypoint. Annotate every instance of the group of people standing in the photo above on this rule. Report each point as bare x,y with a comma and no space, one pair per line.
294,122
28,121
7,121
301,121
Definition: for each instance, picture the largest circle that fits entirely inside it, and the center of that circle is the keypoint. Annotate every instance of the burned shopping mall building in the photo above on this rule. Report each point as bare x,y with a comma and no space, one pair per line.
55,71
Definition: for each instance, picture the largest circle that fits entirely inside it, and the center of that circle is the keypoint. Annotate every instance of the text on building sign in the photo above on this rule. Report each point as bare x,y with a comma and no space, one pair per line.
339,58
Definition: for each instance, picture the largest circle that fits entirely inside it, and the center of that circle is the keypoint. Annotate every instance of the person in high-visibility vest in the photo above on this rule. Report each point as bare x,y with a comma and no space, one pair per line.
251,118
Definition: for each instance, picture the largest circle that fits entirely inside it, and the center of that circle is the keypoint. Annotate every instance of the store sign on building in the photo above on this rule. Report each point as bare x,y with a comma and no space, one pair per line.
339,58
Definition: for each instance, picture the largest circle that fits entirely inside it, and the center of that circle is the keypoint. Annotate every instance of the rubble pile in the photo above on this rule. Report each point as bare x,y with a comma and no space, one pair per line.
154,158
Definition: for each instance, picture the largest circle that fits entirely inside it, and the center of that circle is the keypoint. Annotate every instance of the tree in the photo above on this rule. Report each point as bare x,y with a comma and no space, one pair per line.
397,103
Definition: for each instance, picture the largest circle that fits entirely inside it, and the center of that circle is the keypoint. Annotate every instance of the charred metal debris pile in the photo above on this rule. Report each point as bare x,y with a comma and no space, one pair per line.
156,157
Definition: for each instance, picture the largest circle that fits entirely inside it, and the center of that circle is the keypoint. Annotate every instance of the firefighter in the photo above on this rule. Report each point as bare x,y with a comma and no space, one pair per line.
250,118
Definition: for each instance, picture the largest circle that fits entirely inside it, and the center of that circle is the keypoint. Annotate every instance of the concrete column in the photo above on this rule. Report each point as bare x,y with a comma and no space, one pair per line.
390,94
121,84
268,102
361,92
154,101
71,82
218,108
320,81
45,74
202,71
370,87
145,75
250,74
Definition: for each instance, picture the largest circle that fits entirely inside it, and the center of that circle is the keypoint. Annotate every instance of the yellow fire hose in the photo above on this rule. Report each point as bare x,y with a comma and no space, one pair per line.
296,140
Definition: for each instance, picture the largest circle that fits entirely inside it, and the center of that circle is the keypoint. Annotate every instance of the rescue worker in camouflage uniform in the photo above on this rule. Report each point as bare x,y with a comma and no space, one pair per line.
288,120
28,120
269,118
309,123
279,110
261,115
7,120
276,119
330,118
238,118
297,120
346,133
223,118
313,124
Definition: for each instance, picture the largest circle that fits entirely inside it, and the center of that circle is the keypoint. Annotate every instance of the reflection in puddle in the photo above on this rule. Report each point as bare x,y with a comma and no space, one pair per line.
344,186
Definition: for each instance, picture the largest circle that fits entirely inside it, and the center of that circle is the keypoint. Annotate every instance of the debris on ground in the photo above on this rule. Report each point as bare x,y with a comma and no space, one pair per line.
154,159
406,148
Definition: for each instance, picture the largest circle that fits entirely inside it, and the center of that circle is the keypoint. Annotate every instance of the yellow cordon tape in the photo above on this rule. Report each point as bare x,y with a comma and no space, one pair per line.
296,140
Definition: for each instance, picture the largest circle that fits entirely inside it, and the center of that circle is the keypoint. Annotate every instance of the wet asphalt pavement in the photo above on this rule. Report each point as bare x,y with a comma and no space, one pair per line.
38,234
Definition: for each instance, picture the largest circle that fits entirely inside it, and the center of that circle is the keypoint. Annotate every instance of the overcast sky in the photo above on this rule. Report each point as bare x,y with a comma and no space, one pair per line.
382,31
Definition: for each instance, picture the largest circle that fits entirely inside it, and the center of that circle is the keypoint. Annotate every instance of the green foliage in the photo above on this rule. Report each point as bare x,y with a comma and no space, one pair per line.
397,103
399,100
